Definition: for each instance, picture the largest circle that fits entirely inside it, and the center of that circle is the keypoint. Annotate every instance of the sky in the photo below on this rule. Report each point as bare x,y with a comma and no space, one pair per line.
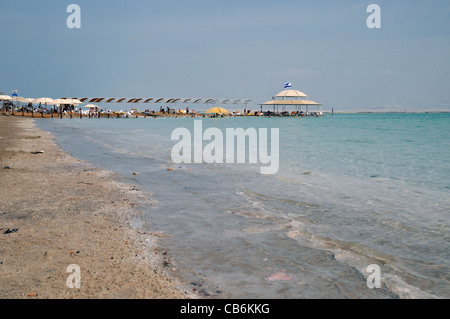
231,49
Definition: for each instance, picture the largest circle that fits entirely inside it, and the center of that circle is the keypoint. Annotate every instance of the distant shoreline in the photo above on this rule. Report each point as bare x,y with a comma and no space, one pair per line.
39,115
386,112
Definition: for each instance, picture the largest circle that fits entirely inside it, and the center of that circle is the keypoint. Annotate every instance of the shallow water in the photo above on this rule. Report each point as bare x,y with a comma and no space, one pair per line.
352,190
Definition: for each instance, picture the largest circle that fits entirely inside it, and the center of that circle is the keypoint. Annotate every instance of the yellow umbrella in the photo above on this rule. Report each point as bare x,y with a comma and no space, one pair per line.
218,110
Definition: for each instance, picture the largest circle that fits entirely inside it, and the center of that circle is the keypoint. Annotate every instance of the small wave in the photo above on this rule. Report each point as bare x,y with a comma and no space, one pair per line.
404,290
359,257
260,196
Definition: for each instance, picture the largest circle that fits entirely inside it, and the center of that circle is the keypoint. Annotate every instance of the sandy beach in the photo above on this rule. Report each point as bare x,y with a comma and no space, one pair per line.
56,211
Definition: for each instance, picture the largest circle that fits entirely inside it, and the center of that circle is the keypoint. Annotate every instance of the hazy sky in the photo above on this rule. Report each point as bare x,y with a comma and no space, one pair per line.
230,49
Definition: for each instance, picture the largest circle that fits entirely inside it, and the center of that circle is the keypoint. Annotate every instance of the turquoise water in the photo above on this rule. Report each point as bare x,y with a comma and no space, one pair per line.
352,190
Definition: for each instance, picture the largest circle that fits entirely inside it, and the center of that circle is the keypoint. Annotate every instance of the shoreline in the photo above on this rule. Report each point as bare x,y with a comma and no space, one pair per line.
56,211
124,115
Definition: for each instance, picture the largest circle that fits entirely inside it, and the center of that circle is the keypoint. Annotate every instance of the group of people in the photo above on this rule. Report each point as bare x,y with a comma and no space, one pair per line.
172,111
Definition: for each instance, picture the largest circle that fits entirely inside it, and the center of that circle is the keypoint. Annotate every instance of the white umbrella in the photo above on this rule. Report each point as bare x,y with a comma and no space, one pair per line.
91,106
5,98
60,101
29,100
74,101
67,101
44,100
21,99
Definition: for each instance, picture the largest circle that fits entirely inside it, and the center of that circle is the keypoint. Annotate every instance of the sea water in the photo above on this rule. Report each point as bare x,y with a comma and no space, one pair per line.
352,190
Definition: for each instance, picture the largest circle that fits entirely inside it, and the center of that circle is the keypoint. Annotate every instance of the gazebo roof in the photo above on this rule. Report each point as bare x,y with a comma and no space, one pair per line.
291,93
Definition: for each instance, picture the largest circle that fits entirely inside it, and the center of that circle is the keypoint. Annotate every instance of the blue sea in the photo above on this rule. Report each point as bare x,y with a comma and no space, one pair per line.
352,190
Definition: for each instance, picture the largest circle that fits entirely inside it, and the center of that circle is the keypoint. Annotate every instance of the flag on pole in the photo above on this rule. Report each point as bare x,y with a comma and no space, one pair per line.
288,85
14,93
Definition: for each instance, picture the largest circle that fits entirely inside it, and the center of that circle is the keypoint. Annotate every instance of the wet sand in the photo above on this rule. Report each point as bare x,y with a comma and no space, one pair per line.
57,211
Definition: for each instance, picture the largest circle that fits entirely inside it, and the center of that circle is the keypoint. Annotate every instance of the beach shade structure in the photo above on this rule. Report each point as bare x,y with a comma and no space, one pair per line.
20,99
218,110
4,98
291,98
71,101
60,102
92,107
27,100
65,101
291,95
44,100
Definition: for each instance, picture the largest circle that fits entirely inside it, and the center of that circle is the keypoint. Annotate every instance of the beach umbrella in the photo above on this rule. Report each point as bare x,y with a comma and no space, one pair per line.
25,100
52,102
29,100
218,110
76,101
91,106
21,99
5,98
72,101
45,100
60,102
67,101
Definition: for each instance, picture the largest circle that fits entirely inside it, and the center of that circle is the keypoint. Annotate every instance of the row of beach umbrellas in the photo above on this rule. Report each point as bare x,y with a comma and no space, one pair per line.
49,101
42,100
46,101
